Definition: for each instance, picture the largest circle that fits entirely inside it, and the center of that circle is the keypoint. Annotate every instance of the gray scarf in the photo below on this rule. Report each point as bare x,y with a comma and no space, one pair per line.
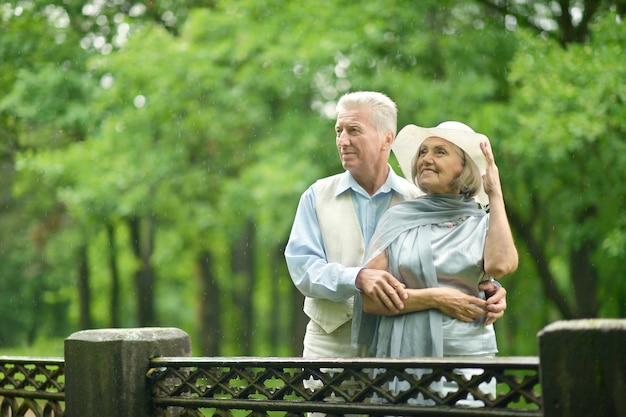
422,211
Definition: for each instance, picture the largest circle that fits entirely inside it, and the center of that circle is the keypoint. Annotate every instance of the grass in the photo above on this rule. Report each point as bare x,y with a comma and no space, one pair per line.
41,348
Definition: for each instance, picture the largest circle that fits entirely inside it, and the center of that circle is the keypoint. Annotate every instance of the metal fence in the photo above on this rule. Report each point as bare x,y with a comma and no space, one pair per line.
149,372
507,386
32,386
218,386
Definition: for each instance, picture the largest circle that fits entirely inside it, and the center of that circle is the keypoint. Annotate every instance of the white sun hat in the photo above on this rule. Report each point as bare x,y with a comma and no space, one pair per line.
411,137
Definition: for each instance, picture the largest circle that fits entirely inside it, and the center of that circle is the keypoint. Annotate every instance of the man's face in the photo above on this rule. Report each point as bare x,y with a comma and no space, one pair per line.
360,147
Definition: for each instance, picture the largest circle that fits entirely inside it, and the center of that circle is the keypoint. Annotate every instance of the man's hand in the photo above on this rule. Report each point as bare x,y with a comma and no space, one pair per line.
383,289
496,301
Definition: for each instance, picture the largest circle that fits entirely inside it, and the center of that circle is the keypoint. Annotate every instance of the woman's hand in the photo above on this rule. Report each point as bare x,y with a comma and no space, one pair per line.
496,301
459,305
491,178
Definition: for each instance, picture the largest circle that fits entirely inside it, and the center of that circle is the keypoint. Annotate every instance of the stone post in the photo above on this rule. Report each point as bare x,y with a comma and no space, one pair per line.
583,368
105,370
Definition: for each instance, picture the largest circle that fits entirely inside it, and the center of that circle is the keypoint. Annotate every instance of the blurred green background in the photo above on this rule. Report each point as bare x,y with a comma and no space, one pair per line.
152,154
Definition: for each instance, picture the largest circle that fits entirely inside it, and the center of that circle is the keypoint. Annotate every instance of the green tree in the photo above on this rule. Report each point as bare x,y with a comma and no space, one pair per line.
566,21
569,108
159,152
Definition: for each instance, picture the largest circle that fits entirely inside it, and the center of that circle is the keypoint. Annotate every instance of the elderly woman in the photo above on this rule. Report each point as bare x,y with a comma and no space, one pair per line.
441,246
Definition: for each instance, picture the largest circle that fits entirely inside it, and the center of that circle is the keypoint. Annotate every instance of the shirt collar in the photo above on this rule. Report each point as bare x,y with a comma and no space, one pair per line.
393,182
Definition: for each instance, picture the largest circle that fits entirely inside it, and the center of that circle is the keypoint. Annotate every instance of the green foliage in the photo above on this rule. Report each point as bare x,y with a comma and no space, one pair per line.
568,153
204,121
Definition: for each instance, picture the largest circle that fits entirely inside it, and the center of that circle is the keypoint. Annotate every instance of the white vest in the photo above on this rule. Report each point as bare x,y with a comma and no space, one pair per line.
343,243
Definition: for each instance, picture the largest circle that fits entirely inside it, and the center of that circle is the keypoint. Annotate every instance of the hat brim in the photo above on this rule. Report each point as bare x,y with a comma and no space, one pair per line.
411,137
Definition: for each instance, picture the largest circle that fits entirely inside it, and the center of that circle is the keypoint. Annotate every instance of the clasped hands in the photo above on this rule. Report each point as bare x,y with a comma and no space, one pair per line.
383,294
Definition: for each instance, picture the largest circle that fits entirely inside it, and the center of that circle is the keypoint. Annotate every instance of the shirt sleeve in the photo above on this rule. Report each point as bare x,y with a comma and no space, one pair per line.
306,258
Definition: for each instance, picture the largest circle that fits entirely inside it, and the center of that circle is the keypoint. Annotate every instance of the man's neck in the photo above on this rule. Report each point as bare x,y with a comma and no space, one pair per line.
372,181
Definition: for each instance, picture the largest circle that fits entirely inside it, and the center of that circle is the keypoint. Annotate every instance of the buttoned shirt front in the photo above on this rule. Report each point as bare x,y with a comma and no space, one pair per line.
305,253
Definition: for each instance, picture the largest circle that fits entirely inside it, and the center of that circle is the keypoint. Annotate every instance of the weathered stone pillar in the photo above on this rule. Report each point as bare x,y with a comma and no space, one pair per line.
583,368
105,370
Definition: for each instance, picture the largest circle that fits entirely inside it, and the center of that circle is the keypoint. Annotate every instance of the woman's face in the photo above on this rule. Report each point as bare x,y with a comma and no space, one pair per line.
438,165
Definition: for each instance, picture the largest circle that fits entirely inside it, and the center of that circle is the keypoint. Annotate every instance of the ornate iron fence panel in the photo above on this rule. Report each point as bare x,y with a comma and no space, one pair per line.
505,386
32,387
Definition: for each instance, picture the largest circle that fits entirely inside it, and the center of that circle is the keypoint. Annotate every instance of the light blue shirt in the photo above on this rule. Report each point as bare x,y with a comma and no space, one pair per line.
305,253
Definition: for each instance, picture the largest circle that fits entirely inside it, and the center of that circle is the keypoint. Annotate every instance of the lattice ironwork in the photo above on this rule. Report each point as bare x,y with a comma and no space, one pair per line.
425,386
32,386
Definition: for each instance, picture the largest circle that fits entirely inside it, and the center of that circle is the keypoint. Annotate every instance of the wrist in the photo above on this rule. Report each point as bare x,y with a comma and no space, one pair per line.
433,297
493,281
357,281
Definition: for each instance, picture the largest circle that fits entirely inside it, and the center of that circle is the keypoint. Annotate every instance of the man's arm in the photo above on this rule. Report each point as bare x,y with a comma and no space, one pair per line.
306,260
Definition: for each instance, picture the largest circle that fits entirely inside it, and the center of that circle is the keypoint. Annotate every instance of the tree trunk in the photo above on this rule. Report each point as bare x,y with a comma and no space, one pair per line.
242,265
210,313
277,309
114,306
585,280
84,295
299,320
142,240
583,272
538,254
